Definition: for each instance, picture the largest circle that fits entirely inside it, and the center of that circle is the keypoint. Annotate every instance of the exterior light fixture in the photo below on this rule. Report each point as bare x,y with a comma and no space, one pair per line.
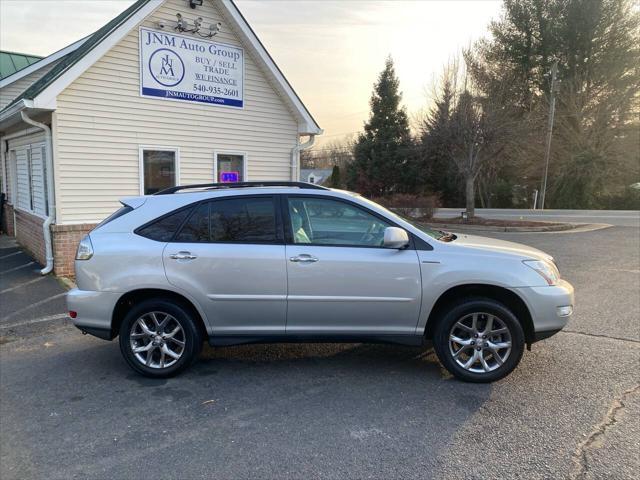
183,26
195,3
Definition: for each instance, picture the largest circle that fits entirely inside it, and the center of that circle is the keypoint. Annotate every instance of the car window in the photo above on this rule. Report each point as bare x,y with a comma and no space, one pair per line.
321,221
165,227
243,220
196,229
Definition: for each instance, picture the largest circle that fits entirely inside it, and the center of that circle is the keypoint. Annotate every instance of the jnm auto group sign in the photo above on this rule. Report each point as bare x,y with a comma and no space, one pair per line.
177,67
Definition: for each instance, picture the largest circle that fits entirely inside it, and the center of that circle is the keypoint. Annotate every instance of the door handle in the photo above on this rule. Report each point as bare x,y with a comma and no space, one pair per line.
304,258
183,256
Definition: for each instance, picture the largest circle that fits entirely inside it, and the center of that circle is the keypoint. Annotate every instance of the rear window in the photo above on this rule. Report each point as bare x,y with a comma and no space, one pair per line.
196,229
243,220
164,228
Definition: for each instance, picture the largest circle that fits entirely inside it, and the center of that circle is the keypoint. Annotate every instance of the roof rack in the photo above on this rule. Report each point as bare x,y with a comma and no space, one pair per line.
213,186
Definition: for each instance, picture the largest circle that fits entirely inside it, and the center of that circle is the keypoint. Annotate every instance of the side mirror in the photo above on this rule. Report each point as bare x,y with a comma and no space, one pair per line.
395,237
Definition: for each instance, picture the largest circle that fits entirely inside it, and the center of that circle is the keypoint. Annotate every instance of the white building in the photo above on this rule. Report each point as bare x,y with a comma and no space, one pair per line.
318,176
142,104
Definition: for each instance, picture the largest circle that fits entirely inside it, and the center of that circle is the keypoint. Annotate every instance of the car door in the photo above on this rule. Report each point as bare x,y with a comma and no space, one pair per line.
230,254
341,279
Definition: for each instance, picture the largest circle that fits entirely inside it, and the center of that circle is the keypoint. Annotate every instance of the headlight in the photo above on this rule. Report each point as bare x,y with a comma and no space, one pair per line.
85,249
547,270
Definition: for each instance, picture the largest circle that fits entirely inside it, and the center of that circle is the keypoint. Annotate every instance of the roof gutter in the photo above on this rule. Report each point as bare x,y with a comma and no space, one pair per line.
295,156
12,110
46,226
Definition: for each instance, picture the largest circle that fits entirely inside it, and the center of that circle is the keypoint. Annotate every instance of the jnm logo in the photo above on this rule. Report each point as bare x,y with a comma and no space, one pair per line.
166,67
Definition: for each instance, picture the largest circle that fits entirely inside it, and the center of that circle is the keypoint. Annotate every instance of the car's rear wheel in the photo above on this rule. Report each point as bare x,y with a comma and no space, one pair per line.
479,340
159,338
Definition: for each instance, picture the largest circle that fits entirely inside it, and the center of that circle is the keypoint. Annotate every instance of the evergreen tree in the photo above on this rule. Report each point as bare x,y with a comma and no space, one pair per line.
440,172
384,159
334,180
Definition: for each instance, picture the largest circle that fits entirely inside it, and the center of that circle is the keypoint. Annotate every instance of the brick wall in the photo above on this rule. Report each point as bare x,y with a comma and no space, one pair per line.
28,233
7,220
65,244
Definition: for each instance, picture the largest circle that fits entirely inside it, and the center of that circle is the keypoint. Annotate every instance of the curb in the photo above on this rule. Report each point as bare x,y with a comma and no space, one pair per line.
556,228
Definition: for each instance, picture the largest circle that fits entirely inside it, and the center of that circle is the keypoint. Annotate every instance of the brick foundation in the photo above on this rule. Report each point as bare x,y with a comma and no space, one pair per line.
65,244
7,220
28,233
65,238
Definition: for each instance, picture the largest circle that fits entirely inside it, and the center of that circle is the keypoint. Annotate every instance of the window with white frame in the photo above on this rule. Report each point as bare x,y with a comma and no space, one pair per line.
159,169
11,169
30,177
28,183
230,167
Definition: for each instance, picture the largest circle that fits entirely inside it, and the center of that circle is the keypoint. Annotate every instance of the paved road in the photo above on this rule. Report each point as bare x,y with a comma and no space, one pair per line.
70,408
28,301
629,218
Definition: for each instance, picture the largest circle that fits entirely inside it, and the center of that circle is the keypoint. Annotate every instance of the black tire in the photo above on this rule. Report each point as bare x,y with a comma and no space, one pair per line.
461,310
190,336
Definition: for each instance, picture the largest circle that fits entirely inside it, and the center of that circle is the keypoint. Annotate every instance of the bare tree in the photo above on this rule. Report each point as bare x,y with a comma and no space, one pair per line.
334,153
477,129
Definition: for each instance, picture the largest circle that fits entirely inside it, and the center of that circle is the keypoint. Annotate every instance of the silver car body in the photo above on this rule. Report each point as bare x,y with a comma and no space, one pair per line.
303,291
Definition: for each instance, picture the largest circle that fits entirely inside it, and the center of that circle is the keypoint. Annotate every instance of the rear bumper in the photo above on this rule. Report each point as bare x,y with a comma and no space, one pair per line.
94,311
548,307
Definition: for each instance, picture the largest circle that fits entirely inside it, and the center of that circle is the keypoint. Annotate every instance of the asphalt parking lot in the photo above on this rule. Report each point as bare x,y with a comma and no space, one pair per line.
71,408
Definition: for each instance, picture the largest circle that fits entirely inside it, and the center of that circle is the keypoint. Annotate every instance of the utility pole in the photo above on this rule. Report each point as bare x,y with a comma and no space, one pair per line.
552,113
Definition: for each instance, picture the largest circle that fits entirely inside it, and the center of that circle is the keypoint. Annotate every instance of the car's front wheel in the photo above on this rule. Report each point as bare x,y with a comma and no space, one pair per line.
479,340
159,338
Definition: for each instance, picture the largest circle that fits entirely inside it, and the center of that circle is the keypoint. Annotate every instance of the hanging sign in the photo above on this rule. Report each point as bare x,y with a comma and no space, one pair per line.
178,67
229,177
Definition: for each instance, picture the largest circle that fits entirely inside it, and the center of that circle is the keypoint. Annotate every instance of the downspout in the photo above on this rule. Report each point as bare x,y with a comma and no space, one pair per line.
46,226
295,152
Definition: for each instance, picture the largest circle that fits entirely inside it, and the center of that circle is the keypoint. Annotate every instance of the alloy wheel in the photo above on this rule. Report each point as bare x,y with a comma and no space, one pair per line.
480,342
157,340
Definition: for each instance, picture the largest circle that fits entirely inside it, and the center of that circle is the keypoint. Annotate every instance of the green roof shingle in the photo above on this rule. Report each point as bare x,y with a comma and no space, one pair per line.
11,62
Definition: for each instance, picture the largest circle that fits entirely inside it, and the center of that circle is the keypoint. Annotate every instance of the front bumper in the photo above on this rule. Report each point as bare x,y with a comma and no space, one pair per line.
94,311
547,306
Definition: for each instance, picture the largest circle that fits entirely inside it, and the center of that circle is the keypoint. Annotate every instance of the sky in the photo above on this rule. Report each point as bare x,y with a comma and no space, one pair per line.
330,51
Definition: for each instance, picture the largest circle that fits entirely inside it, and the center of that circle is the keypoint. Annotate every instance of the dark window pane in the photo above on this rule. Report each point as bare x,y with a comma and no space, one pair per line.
197,227
230,168
249,220
163,230
159,170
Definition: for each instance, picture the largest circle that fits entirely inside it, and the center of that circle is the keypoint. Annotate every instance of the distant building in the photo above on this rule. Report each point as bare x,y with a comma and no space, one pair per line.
319,177
170,92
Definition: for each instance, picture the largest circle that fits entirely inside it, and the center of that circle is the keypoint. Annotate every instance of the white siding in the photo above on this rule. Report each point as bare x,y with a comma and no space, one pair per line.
13,90
101,121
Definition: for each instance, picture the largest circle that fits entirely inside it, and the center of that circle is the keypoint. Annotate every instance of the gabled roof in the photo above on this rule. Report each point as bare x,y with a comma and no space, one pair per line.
41,63
12,62
66,63
43,92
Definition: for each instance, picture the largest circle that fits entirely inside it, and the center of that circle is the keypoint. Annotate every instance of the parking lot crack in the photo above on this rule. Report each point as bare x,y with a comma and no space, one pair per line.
581,454
595,335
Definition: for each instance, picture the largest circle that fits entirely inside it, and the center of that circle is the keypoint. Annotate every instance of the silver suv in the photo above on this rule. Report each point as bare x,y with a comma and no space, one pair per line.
295,262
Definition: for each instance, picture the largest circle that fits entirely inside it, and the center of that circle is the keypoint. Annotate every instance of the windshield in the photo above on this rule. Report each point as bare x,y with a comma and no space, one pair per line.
437,234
